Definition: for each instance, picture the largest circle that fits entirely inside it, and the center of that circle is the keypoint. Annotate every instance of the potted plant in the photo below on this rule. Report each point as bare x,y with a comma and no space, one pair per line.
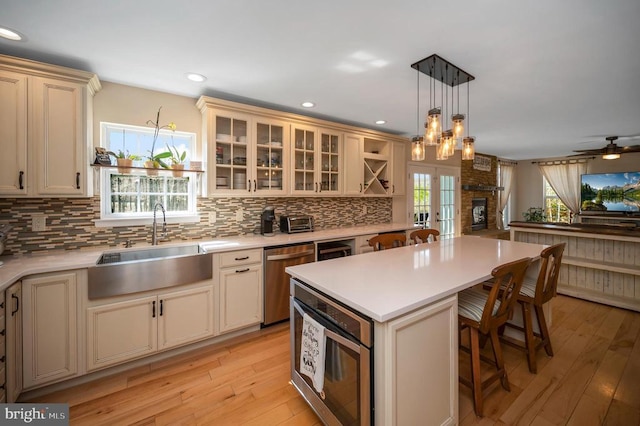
155,160
124,160
534,214
177,160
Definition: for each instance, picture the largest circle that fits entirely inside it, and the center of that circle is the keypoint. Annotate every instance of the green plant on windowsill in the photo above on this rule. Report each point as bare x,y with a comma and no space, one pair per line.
534,214
124,160
155,161
177,160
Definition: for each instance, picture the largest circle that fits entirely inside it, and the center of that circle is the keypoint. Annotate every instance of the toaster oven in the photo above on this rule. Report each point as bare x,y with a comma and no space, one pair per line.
293,224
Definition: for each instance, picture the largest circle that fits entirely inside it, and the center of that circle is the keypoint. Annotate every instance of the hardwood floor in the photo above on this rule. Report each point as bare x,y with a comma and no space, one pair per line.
593,379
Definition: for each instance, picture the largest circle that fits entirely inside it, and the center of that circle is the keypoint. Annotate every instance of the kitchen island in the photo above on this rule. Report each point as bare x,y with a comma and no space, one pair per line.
410,293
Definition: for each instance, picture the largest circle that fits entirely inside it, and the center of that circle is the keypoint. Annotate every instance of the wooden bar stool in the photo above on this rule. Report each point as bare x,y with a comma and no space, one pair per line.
483,312
422,235
533,295
387,241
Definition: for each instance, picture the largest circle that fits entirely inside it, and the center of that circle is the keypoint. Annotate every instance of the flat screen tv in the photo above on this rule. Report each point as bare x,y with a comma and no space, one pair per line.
610,192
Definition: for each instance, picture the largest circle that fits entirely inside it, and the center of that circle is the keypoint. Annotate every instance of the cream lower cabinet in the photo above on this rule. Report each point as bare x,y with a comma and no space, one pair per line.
13,347
50,338
240,278
126,329
416,367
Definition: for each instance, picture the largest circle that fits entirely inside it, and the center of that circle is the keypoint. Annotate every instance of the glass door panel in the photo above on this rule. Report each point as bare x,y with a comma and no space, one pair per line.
304,160
447,206
231,153
329,162
269,154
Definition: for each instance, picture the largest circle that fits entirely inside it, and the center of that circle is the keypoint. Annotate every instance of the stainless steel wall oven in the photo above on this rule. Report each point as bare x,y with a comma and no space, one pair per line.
347,395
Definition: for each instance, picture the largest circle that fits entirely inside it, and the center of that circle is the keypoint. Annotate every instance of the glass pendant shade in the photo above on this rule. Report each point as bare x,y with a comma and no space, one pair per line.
434,120
449,143
468,150
417,149
430,137
458,125
441,150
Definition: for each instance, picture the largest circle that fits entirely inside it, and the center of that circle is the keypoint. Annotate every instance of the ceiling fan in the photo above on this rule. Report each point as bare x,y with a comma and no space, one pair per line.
612,151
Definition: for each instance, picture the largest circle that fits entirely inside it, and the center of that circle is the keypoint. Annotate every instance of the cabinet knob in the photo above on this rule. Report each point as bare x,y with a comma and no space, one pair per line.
242,258
2,358
239,271
2,333
21,179
153,309
78,180
249,185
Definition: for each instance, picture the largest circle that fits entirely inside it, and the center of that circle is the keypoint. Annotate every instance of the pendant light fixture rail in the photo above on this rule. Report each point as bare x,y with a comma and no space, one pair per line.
442,70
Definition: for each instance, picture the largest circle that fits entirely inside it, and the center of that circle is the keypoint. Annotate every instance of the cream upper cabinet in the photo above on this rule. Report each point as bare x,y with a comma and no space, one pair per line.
13,133
240,285
59,130
50,338
154,321
246,153
368,166
398,171
46,129
269,165
353,173
316,161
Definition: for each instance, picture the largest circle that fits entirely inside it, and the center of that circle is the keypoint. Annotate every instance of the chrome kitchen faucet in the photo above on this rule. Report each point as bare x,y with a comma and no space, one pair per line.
154,231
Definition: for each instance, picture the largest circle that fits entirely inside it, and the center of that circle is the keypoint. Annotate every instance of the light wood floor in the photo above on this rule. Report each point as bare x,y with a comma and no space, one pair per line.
594,378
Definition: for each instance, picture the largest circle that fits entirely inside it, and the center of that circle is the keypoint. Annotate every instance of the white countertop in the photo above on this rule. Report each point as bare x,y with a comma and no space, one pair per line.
388,284
16,267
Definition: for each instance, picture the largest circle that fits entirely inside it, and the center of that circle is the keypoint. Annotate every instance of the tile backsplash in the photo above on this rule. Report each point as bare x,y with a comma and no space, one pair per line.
70,221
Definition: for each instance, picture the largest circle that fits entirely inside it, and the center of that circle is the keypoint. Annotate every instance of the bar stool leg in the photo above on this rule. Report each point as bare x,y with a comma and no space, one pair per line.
529,339
497,353
475,370
544,331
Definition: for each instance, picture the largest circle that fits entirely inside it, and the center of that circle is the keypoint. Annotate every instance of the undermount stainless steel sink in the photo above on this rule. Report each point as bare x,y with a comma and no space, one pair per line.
133,271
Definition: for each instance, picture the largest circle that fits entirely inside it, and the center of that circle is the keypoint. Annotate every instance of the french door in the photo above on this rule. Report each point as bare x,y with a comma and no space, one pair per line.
436,198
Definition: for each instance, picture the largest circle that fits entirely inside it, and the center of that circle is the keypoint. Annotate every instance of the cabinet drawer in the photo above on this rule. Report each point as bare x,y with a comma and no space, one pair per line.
242,257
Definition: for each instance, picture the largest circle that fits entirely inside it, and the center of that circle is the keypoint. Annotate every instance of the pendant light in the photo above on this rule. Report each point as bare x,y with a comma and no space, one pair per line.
457,119
468,149
417,143
449,75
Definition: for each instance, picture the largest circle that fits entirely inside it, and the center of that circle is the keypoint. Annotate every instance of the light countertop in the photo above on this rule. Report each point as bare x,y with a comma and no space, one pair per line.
16,267
388,284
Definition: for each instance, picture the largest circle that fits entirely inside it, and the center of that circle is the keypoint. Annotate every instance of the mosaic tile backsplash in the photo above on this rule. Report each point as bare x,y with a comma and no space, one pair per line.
70,226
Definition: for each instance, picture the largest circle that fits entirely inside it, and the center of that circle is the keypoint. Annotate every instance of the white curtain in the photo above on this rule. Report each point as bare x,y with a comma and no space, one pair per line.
507,171
564,178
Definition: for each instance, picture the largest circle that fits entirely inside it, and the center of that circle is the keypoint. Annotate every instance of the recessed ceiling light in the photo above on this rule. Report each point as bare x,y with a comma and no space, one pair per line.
9,34
381,122
308,104
198,78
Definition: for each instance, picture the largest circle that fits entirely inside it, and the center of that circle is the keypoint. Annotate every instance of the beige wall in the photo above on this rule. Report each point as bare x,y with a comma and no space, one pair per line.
117,103
528,188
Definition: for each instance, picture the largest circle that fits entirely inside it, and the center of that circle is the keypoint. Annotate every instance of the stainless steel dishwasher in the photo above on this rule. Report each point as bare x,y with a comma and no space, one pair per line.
276,280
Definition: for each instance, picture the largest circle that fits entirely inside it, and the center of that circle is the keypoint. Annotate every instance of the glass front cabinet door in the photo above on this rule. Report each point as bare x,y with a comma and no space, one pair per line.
230,147
315,161
270,157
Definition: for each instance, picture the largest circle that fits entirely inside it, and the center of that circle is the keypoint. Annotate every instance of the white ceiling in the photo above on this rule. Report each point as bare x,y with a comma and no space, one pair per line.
551,76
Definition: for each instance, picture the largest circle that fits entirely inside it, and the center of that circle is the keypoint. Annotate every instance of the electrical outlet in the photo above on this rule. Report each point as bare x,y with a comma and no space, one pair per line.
38,223
212,218
239,215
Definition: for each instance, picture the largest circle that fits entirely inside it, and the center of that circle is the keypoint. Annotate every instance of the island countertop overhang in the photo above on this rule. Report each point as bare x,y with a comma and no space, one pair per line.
387,284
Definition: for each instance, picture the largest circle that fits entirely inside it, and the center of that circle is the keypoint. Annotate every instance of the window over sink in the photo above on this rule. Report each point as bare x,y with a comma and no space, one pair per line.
128,197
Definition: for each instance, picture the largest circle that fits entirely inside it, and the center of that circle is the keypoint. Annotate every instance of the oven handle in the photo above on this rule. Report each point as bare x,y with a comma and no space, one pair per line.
331,334
290,255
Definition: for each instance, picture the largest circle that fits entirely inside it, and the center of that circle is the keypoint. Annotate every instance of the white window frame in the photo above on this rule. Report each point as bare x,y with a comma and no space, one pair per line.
109,219
546,186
